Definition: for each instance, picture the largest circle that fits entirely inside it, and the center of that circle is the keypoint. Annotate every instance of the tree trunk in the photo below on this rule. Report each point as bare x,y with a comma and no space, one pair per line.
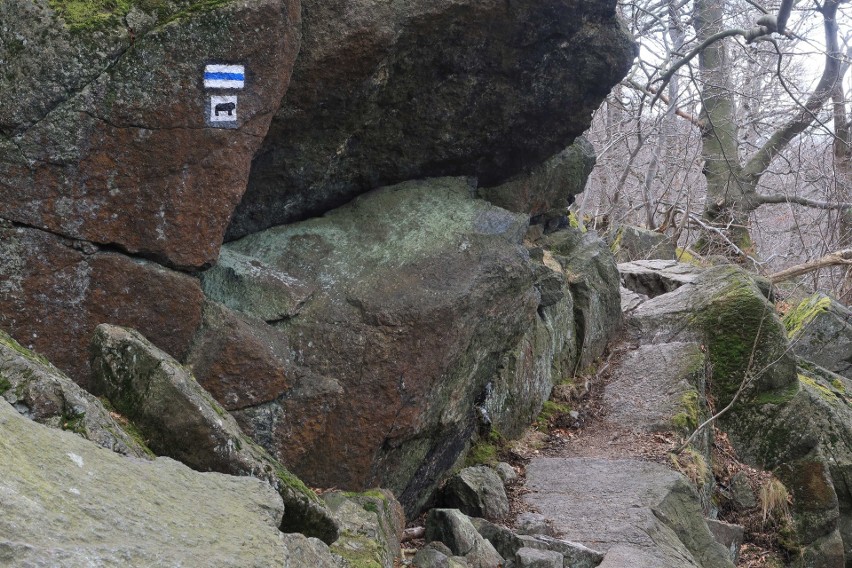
729,194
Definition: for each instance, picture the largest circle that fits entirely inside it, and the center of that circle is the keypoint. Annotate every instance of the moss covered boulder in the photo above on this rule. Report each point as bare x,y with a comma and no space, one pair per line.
371,527
793,420
820,330
40,391
69,502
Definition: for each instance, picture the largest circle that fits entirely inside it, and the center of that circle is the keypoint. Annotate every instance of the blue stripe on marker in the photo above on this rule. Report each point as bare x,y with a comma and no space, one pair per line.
224,76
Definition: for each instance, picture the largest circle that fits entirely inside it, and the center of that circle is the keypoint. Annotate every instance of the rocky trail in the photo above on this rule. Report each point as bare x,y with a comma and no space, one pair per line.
608,481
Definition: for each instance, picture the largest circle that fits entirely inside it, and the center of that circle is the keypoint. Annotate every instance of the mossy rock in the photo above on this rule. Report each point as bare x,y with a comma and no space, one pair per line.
83,16
820,330
371,527
38,389
746,341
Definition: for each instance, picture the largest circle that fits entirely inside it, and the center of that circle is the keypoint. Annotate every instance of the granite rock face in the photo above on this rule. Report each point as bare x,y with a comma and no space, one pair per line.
548,189
106,132
55,291
386,92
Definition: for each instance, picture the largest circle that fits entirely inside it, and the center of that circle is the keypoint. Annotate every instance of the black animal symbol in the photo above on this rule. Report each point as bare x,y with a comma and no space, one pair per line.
225,107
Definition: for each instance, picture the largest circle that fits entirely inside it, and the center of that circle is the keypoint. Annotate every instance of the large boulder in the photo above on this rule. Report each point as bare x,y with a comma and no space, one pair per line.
820,330
55,291
40,391
425,319
68,502
389,91
109,131
751,364
592,278
182,421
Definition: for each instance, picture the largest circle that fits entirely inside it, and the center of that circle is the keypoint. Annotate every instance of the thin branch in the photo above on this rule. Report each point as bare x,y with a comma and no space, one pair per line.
784,135
667,76
652,91
840,257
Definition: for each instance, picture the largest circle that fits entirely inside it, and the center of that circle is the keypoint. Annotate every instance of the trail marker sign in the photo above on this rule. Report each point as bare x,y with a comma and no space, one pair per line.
222,111
224,77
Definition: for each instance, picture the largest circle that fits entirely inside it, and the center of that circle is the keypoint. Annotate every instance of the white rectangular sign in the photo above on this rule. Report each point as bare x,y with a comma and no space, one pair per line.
224,77
223,109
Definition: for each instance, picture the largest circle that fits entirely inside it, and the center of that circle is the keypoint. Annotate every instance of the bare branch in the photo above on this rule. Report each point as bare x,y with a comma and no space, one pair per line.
816,203
783,136
667,76
831,259
652,91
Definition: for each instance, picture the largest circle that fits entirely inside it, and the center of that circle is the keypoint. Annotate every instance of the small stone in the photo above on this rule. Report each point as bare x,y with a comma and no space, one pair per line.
728,535
430,558
534,558
456,530
533,524
477,491
506,472
742,493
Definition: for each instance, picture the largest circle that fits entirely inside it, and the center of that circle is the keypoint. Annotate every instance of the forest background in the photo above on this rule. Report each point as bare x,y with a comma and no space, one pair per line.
731,133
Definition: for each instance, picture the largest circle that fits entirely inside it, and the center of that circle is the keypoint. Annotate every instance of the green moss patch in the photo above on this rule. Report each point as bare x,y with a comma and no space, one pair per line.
485,450
358,550
688,419
745,342
129,427
7,341
74,423
550,413
799,317
777,397
683,255
290,480
822,390
91,15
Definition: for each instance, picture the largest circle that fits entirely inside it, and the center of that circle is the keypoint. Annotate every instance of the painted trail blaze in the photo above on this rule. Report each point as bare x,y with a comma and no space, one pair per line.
224,77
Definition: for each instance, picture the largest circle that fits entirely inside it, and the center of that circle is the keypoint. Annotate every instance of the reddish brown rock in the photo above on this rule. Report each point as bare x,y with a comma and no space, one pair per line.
55,291
240,361
127,157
